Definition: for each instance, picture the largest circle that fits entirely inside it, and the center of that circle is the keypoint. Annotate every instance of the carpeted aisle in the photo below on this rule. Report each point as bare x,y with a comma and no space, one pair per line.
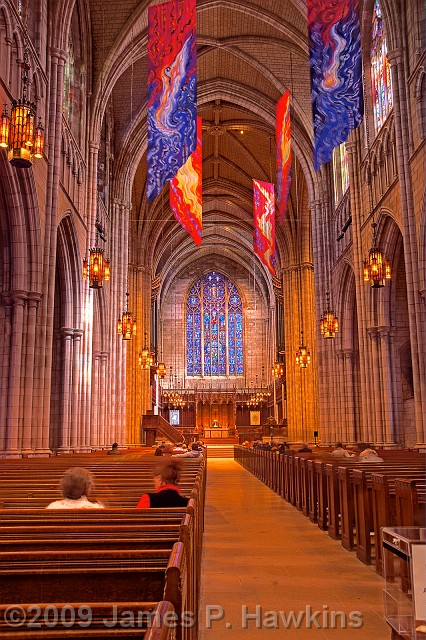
263,558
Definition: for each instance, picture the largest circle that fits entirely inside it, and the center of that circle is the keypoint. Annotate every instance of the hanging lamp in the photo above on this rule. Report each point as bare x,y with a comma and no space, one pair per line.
161,370
377,268
18,132
144,356
303,357
96,269
126,325
329,324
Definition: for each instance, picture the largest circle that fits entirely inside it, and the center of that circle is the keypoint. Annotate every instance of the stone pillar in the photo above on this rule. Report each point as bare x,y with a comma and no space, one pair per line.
65,423
338,434
6,318
78,428
106,435
13,442
416,316
96,400
376,369
28,439
302,384
349,392
358,218
390,435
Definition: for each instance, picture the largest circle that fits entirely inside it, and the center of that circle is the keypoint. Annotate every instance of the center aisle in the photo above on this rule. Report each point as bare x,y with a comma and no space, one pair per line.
262,555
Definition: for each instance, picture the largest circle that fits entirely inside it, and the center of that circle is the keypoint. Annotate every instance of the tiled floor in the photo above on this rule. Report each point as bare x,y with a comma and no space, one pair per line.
262,555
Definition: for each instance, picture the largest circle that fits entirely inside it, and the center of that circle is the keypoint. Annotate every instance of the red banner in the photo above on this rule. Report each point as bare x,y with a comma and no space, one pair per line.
172,90
264,222
186,194
283,141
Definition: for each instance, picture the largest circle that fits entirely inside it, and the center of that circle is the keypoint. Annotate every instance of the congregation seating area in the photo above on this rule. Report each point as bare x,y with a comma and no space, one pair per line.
100,573
351,500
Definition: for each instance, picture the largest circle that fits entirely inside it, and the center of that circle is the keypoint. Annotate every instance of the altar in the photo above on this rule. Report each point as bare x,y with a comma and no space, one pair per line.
216,432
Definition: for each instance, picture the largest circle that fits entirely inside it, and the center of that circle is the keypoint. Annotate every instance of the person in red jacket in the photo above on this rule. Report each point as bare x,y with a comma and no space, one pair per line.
167,493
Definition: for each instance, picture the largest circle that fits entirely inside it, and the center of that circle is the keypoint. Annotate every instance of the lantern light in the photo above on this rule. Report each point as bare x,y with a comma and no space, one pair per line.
303,356
126,325
377,268
18,133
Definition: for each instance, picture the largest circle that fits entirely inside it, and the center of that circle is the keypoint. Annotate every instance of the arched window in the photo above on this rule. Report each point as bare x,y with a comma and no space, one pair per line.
340,172
214,328
380,71
74,78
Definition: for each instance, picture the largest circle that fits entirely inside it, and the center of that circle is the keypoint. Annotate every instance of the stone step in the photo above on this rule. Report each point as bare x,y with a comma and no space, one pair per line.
220,451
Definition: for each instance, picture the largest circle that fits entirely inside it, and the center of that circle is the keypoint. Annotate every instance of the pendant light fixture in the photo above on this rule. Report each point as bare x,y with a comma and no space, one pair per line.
96,269
377,267
19,133
303,357
126,324
329,324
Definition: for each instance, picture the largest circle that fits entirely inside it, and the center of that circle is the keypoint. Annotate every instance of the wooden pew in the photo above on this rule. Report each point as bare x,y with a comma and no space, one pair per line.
367,521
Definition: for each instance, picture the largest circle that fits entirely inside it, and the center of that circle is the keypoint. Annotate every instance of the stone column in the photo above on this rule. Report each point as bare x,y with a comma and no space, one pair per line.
65,423
353,147
416,317
78,427
339,400
106,435
44,342
390,435
13,443
350,401
28,437
96,400
6,323
377,374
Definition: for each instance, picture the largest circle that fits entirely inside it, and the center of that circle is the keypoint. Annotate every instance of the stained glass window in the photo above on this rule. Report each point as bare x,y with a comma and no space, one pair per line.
340,172
381,77
69,81
214,328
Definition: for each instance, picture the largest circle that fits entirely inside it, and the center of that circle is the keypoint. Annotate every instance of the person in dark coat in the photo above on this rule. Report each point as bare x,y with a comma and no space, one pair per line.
167,492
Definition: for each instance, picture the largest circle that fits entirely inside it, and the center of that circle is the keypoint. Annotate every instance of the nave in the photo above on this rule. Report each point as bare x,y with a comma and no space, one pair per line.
260,550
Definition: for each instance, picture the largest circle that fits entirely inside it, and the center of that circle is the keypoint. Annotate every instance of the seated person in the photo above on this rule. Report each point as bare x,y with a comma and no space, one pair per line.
114,450
367,454
194,452
340,452
167,492
159,450
304,448
180,448
167,449
76,486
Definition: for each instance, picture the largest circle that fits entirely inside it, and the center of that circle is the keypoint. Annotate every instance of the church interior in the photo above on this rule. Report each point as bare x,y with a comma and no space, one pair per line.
122,323
69,382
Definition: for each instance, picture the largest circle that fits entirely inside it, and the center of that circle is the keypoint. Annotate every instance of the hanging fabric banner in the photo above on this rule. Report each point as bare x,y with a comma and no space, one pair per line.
264,222
336,73
172,90
283,155
186,191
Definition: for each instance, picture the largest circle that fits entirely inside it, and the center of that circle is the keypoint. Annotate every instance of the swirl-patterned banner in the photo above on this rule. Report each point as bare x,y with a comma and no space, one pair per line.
172,90
264,223
283,160
336,73
186,191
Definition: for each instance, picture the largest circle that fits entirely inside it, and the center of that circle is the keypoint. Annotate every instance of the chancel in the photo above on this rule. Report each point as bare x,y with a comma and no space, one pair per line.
213,229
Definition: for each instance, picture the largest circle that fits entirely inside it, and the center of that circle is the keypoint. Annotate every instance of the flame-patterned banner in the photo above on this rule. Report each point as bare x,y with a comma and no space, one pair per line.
186,191
283,142
336,73
172,90
264,222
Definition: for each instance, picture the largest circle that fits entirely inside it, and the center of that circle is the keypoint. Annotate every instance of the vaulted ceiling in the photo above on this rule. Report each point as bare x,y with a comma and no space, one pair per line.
249,53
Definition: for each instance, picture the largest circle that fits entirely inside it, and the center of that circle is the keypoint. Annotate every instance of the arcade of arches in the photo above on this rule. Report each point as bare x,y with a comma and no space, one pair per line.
68,382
